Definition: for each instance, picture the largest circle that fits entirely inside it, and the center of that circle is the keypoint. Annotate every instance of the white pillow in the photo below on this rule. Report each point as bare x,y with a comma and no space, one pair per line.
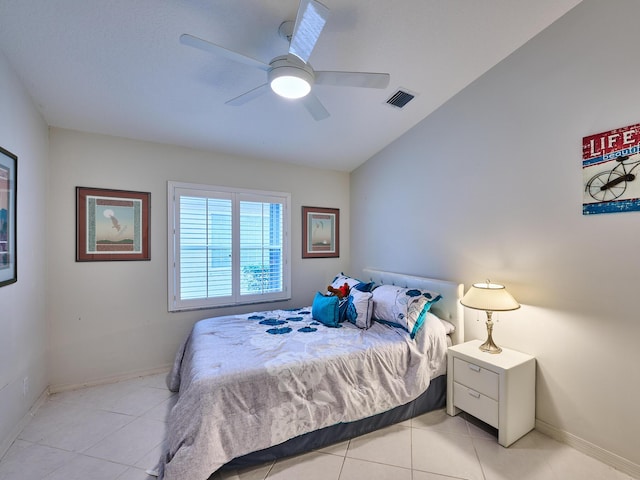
363,303
449,327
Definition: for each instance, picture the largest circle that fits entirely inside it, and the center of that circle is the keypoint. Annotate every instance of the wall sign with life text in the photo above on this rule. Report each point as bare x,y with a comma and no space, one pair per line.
610,171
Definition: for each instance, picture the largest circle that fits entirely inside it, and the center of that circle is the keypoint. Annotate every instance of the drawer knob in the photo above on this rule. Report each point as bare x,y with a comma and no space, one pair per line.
473,367
473,393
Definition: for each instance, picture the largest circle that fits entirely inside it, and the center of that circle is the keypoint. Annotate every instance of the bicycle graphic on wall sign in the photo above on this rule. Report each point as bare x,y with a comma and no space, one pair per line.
611,184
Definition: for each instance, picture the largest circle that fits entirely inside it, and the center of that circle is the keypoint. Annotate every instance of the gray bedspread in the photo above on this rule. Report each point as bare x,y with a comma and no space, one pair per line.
251,381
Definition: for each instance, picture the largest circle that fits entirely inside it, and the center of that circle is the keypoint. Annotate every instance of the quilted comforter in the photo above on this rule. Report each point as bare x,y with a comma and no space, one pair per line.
247,382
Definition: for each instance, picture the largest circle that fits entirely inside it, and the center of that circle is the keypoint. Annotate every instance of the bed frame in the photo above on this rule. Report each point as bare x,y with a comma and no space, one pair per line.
447,308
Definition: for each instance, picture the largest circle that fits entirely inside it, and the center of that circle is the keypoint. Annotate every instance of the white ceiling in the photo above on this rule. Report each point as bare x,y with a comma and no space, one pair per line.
117,67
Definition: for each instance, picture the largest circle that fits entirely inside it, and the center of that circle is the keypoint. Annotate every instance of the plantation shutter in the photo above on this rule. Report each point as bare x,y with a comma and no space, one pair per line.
261,247
227,247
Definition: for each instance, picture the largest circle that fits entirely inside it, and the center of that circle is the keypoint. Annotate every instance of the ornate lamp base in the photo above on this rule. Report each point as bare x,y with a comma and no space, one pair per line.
489,345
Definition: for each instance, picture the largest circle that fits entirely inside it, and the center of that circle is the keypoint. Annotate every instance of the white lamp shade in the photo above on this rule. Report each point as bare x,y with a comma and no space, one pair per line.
490,297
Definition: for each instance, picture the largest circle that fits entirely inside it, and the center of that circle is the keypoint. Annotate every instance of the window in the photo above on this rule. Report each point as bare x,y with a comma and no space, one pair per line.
227,246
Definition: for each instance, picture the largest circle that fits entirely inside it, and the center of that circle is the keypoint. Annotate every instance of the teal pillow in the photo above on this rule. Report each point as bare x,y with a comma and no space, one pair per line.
325,310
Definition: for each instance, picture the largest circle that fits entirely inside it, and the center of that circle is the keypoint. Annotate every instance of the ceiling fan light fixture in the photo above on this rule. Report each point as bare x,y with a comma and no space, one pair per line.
291,76
289,86
289,80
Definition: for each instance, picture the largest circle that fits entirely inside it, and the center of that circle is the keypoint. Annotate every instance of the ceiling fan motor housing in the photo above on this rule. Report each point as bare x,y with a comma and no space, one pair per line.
290,77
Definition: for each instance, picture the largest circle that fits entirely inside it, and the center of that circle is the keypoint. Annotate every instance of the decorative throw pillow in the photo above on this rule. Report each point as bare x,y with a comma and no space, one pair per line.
362,308
343,309
402,307
341,279
325,309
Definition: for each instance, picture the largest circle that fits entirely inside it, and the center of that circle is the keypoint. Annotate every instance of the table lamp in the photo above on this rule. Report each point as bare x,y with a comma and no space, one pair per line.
490,297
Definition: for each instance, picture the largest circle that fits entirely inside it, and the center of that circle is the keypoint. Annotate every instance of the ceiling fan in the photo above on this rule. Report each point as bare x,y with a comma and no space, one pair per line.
291,76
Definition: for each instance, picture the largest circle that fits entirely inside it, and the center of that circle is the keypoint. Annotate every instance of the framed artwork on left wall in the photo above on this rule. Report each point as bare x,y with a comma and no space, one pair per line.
112,225
8,217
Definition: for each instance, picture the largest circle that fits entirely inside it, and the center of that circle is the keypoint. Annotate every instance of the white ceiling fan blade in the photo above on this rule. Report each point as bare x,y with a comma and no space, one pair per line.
312,15
201,44
248,96
315,107
353,79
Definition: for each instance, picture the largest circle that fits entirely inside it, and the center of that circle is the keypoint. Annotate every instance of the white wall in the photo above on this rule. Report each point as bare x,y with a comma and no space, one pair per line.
490,186
23,341
110,319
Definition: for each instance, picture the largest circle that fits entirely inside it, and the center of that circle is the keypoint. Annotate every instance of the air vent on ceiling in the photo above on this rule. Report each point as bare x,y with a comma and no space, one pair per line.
400,98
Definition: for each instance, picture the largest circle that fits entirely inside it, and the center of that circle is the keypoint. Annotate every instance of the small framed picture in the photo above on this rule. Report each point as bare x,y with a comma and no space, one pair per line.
8,217
320,232
112,225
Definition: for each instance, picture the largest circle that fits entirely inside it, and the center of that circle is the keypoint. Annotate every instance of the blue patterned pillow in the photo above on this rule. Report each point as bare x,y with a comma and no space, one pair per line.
325,309
402,307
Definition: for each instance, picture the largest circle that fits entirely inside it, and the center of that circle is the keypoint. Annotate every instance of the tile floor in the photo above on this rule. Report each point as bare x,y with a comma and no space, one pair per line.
115,432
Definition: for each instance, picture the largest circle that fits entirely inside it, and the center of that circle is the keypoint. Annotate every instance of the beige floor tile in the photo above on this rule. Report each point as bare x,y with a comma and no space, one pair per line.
445,454
82,467
517,462
116,432
354,469
390,446
418,475
135,474
28,461
131,443
440,420
72,427
161,411
336,448
311,466
258,472
129,397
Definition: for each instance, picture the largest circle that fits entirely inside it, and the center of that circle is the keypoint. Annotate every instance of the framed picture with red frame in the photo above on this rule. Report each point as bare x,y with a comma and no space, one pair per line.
320,232
112,225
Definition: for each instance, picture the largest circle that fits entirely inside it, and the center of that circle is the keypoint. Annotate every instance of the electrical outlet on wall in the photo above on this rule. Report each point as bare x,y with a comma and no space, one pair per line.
25,386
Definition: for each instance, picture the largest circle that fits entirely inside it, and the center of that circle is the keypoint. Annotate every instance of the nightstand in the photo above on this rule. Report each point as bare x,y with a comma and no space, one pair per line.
499,389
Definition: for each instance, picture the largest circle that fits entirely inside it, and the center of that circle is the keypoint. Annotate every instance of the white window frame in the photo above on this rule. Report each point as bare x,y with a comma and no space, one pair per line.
175,303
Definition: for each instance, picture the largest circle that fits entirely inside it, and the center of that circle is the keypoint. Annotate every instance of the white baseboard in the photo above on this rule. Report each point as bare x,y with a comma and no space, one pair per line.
112,379
17,429
588,448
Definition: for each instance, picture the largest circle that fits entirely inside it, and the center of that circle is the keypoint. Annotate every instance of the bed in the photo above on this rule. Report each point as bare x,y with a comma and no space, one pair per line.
278,383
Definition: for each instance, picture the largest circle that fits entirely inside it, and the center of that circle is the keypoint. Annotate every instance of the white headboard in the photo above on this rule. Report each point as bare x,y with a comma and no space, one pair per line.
447,308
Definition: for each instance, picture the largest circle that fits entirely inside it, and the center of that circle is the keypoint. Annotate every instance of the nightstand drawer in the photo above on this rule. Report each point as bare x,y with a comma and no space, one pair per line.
478,405
475,377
